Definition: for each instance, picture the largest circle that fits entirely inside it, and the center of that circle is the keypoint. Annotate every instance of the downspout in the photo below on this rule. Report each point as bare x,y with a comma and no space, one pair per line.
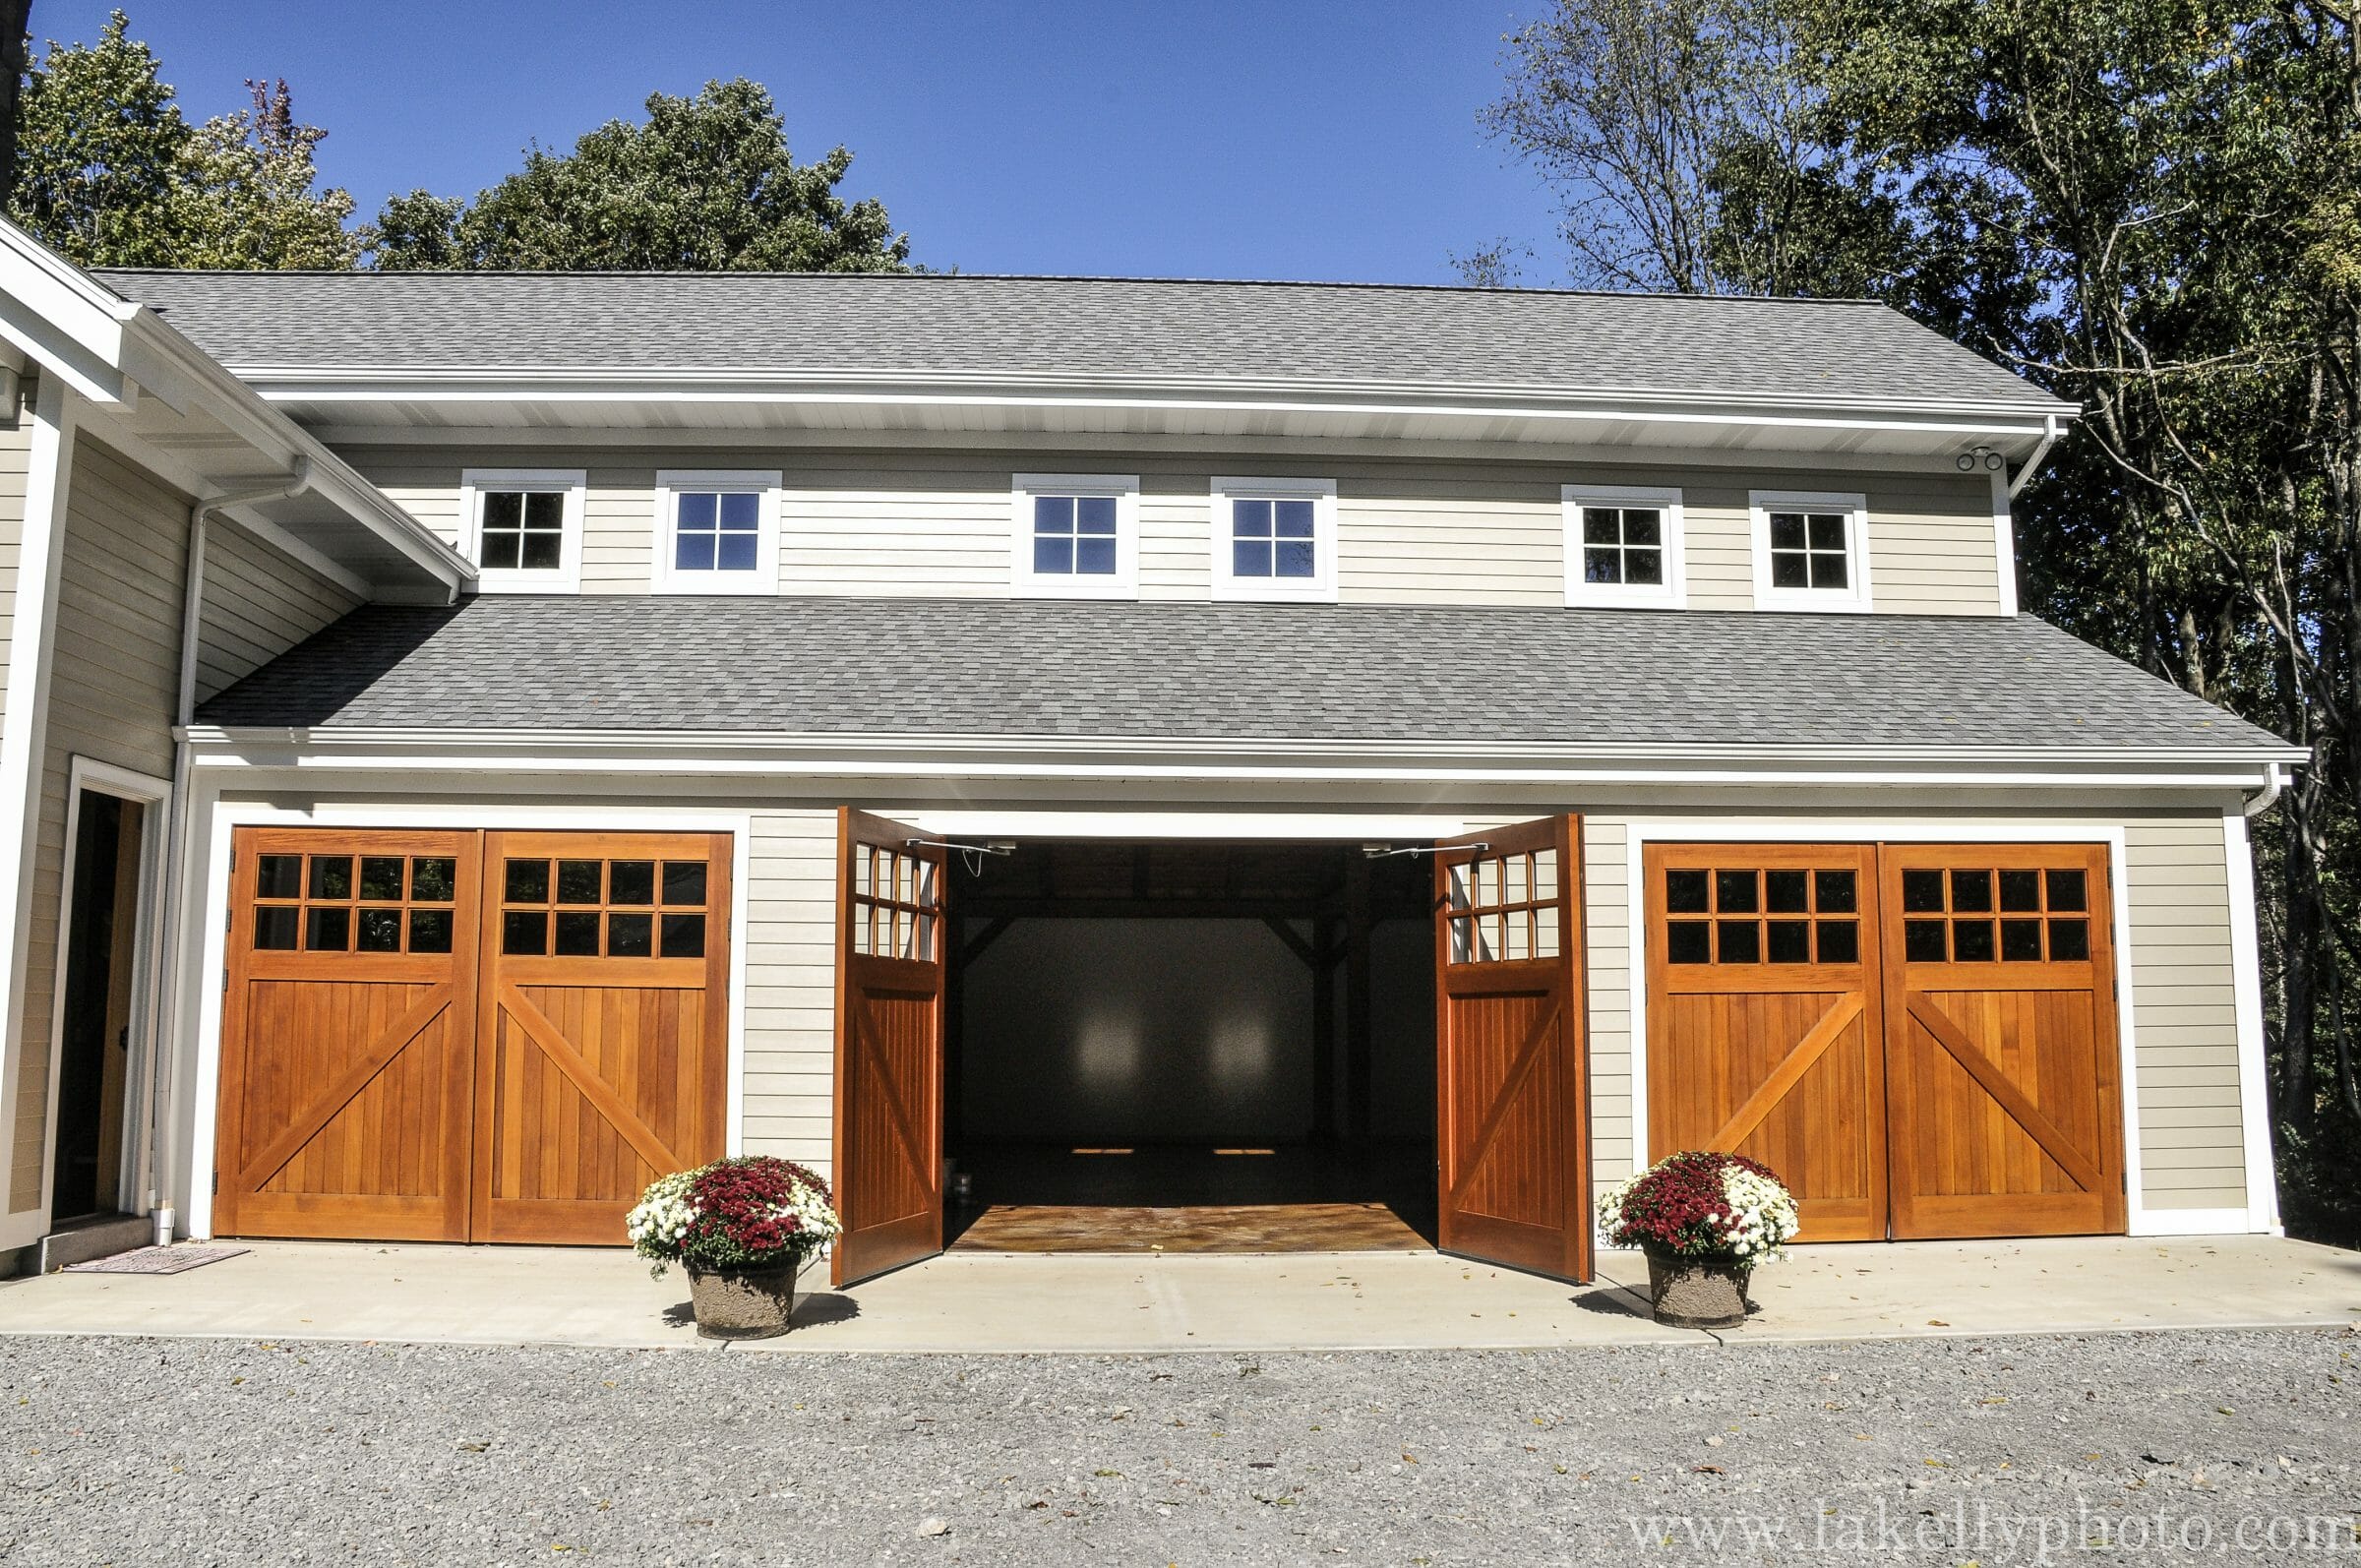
164,1000
2274,780
2032,465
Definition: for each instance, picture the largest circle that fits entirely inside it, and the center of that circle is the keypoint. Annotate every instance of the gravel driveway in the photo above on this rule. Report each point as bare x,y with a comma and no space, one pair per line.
1992,1451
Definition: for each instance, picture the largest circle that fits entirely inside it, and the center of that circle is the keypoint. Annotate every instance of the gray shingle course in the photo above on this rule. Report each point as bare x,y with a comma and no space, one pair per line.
1015,327
952,668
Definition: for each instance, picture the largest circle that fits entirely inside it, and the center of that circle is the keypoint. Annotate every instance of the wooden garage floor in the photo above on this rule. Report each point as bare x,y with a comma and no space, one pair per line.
1185,1199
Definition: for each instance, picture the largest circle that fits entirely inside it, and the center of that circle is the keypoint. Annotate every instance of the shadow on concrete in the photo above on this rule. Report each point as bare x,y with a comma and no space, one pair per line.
1614,1300
823,1306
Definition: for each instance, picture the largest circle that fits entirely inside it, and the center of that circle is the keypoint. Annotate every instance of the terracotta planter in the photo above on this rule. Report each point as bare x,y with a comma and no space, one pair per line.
1697,1292
744,1304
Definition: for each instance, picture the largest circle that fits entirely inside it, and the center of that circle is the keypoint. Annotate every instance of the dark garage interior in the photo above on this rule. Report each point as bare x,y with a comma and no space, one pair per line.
1188,1046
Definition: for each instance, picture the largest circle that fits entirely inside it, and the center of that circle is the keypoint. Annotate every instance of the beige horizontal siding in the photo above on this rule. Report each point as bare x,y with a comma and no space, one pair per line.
258,602
2184,1015
791,985
938,523
16,453
112,680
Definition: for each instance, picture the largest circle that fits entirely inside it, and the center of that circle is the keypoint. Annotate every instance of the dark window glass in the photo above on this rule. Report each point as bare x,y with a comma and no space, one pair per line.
1686,941
1922,893
1685,892
1827,531
381,931
1733,892
1790,572
1290,519
1786,530
540,552
327,931
1791,941
332,875
1970,891
2068,941
578,880
685,881
2020,891
1095,514
1053,558
578,933
1602,526
2021,941
380,878
631,882
1644,567
1094,558
430,930
434,880
522,528
1828,572
524,932
1840,943
1786,892
280,876
1293,558
630,936
683,936
528,882
1643,527
1603,566
1834,892
1972,941
1739,942
276,929
1923,941
2066,891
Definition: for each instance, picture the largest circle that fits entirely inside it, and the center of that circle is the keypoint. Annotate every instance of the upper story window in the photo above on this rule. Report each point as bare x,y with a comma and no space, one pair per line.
1274,539
717,531
1075,536
522,527
1624,546
1810,552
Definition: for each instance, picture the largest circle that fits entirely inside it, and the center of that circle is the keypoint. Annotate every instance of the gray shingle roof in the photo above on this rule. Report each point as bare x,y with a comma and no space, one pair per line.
997,668
1122,329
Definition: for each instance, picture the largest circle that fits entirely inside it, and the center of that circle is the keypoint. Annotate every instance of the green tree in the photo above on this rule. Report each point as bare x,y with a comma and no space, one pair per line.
109,172
705,184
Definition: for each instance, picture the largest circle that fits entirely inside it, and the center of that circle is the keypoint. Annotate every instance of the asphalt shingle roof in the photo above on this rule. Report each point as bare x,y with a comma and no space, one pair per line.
1001,668
1135,330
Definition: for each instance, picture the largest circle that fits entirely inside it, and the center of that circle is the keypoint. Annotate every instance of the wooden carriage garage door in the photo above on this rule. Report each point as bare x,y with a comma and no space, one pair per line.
468,1036
1919,1038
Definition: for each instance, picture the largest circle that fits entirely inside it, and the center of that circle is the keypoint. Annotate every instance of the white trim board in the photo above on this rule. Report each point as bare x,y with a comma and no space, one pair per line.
226,818
2246,971
154,796
24,741
1639,834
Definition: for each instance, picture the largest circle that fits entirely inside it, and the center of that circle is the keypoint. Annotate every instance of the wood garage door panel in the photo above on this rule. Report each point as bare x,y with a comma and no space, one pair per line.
1509,1114
1763,1020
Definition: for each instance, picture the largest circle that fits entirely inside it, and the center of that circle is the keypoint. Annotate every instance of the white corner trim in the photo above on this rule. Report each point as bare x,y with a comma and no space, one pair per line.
1843,830
665,577
1759,504
2004,541
1672,594
212,891
2246,975
86,774
1027,583
2193,1222
24,736
573,483
1320,587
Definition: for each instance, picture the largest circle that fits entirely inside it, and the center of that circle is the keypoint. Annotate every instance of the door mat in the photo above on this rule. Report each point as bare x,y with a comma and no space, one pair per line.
158,1260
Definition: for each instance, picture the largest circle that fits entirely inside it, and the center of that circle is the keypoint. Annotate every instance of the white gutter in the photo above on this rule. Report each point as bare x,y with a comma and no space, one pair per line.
166,993
2274,782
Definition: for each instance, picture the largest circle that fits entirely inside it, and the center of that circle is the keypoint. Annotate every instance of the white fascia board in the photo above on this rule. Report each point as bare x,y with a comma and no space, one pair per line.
1035,758
62,319
2020,423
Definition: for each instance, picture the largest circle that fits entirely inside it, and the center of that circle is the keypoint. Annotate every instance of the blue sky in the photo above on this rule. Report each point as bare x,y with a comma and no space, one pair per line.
1203,138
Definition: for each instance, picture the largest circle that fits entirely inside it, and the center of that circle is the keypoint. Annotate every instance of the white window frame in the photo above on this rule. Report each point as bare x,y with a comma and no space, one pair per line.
1320,587
1027,583
1673,594
1854,596
671,484
567,575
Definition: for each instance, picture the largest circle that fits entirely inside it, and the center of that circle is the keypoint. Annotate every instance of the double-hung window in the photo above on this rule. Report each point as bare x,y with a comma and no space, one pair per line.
1810,551
1274,539
1624,546
522,527
717,531
1075,536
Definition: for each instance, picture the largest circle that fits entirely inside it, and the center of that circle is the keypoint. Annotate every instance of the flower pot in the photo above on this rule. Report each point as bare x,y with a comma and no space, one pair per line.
1697,1292
744,1304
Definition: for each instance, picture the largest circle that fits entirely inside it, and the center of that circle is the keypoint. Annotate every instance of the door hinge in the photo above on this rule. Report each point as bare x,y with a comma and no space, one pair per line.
216,1183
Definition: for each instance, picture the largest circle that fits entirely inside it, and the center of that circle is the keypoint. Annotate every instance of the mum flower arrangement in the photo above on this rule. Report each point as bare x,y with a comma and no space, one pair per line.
733,1216
1695,1204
